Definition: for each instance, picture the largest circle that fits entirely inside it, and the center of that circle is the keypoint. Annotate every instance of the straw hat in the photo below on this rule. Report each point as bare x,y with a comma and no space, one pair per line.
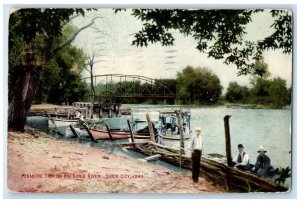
261,148
198,129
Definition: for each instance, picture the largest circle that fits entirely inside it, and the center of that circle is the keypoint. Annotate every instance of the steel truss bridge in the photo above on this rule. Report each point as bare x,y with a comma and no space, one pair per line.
120,86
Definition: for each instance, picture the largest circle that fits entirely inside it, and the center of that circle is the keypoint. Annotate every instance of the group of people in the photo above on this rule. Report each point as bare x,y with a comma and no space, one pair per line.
262,165
241,161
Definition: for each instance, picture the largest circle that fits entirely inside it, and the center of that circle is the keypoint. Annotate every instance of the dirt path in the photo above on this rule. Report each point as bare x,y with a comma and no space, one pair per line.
40,163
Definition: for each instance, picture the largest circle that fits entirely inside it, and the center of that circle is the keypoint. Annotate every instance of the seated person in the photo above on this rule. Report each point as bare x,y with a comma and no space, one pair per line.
241,160
263,163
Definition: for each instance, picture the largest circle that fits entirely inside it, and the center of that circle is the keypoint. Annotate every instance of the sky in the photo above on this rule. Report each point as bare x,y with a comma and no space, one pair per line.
111,43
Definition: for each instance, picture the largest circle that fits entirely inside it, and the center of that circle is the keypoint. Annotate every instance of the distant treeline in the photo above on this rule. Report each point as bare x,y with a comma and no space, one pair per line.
61,84
272,93
202,86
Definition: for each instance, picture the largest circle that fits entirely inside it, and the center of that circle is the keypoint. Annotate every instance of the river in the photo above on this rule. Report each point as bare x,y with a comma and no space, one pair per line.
250,127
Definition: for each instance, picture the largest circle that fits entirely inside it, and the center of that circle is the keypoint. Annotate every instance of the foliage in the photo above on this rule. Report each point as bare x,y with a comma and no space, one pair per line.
62,76
282,174
260,91
270,92
236,93
34,40
260,69
219,33
279,94
198,85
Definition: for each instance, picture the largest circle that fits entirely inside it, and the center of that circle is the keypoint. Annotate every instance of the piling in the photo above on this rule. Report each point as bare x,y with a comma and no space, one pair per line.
51,119
100,113
131,132
89,132
109,133
180,128
227,140
109,113
150,126
74,131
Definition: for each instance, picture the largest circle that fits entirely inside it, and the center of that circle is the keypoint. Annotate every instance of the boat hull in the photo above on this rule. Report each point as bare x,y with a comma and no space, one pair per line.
62,122
104,135
233,179
174,138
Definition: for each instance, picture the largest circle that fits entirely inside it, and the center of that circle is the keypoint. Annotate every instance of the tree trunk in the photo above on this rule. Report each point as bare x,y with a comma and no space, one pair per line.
24,93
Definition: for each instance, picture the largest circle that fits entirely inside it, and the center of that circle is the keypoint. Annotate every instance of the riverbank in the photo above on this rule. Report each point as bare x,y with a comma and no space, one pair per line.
46,107
37,162
51,107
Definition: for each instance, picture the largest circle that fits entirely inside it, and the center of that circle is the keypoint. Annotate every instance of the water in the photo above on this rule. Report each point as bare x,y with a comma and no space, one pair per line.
40,123
250,127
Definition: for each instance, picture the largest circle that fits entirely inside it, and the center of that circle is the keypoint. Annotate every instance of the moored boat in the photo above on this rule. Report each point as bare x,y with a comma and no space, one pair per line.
117,128
169,125
61,122
233,179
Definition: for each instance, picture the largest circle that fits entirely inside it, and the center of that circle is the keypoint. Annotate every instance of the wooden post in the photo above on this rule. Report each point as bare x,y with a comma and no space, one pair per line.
118,111
74,131
131,132
109,133
110,113
68,113
51,119
89,132
100,112
227,140
180,128
91,110
150,126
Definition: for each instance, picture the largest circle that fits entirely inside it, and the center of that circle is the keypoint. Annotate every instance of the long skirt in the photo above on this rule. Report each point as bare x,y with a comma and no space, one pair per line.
196,158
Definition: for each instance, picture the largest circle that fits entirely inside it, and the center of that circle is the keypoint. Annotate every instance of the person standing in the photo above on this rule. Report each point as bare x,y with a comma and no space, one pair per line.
241,160
196,148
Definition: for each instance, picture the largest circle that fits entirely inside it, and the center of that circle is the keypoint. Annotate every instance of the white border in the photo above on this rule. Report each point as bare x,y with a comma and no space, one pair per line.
153,3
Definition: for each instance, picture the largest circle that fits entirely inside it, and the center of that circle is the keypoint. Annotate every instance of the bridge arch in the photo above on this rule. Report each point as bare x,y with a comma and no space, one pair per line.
131,86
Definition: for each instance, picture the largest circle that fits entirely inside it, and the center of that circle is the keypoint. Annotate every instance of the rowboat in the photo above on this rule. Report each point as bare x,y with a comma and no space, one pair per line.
117,128
61,122
104,135
234,180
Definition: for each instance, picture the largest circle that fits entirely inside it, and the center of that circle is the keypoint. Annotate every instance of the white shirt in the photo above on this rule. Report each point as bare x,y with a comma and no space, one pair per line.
245,159
196,143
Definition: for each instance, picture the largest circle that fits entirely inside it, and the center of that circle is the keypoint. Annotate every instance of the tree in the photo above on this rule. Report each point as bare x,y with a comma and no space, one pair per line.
273,93
219,33
198,85
36,32
279,94
260,91
260,69
169,83
62,75
235,92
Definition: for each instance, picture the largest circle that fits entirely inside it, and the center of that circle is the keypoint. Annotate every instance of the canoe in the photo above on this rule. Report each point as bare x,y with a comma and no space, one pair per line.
60,122
104,135
174,138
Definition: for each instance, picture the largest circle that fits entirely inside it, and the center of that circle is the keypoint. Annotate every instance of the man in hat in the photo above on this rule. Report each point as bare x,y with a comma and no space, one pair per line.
241,160
196,148
263,163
